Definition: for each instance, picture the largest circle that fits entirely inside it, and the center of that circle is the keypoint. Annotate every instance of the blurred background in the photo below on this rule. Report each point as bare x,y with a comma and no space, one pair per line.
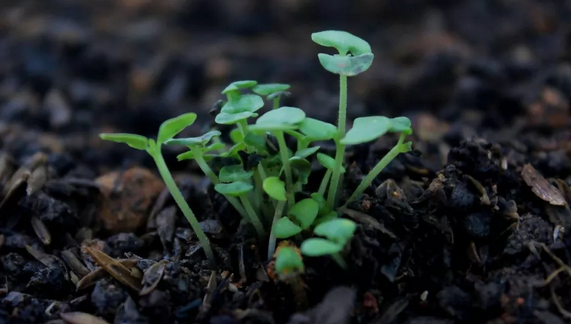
70,69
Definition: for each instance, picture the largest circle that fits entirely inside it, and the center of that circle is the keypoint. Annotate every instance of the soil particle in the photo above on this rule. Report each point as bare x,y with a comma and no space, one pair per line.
107,296
116,246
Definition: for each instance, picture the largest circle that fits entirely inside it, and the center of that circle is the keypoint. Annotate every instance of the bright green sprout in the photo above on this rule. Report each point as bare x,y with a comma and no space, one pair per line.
338,233
288,263
167,131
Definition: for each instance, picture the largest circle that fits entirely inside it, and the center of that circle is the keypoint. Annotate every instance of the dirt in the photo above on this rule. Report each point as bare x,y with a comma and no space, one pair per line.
470,227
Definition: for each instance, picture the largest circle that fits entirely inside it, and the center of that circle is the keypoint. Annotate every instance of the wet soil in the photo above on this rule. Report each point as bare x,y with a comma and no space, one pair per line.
471,227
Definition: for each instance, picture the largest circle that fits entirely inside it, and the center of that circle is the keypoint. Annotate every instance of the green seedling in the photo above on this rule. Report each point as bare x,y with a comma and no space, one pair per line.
337,232
275,188
240,189
288,263
167,131
303,213
354,57
272,91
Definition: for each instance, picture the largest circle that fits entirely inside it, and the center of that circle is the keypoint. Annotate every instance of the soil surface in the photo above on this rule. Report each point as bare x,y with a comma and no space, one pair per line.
472,227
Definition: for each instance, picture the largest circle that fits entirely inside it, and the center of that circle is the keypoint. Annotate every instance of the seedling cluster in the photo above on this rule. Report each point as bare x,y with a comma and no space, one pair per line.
267,174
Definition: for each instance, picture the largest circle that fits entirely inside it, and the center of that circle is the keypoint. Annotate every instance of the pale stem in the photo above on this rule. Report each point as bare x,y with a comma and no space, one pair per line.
339,155
253,216
285,161
277,215
324,182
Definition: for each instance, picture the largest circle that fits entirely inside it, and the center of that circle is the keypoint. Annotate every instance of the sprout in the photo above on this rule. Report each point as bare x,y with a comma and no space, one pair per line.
285,228
272,91
305,212
338,232
167,131
288,263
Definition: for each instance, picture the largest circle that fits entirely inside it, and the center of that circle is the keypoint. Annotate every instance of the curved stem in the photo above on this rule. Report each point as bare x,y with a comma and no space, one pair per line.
339,155
337,257
253,216
199,158
393,153
182,204
285,161
277,215
325,182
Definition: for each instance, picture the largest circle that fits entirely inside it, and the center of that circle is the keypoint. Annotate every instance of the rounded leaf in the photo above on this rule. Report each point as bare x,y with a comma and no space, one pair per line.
256,141
170,127
346,65
270,88
315,247
237,85
250,103
322,203
285,228
400,125
366,129
233,173
229,119
317,130
214,147
282,116
193,141
338,230
328,162
288,260
305,211
185,156
326,217
275,188
236,136
135,141
343,41
306,152
301,168
233,189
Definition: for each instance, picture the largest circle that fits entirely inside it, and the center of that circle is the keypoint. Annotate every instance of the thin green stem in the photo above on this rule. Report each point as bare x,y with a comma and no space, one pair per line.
276,103
337,257
277,215
340,154
242,126
285,161
391,155
182,204
325,182
258,190
253,216
199,158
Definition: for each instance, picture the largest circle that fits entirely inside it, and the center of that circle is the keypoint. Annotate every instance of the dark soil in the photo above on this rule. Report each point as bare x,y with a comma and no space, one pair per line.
463,230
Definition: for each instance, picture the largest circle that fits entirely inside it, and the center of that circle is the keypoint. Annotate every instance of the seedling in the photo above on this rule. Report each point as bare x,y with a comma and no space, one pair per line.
288,263
272,91
337,232
167,131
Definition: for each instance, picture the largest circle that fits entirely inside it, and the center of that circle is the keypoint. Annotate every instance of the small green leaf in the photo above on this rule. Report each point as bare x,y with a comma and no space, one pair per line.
306,152
233,173
135,141
214,147
237,85
315,247
366,129
234,150
322,203
270,88
288,260
305,212
325,218
229,119
173,126
343,41
233,189
285,228
317,130
277,95
256,141
401,125
246,103
236,136
275,188
185,156
346,65
327,162
339,230
298,136
287,116
301,169
192,141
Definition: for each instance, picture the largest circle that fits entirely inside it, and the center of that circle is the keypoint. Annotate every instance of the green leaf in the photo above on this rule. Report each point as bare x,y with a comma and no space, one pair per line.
339,230
192,141
325,218
275,188
400,125
288,260
317,130
185,156
256,141
233,189
343,41
366,129
233,173
277,94
301,169
270,88
307,152
322,203
298,136
315,247
135,141
234,150
405,147
328,162
305,211
229,119
214,147
346,65
236,136
285,228
170,127
237,85
281,117
246,103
